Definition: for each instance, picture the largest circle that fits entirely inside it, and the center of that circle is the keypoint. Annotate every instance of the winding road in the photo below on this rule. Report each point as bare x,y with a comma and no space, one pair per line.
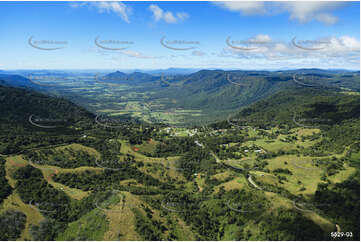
253,183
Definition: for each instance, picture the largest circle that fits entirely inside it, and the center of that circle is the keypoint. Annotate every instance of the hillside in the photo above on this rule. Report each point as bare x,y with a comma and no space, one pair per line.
337,114
17,81
218,93
221,90
101,178
191,99
132,78
308,103
36,117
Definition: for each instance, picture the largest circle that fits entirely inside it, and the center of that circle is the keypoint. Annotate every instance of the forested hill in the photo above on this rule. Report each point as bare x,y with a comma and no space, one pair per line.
212,94
16,81
216,90
133,78
288,106
18,104
104,181
29,118
337,114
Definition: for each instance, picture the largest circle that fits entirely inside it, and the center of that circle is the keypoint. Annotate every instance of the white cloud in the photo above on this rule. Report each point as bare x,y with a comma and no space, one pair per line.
326,18
300,11
157,12
77,4
167,16
261,38
182,15
136,54
198,53
116,7
115,54
280,47
350,42
334,50
307,11
246,8
344,43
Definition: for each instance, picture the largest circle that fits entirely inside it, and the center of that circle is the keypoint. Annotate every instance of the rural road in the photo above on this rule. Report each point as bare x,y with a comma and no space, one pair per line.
214,155
199,144
253,183
301,83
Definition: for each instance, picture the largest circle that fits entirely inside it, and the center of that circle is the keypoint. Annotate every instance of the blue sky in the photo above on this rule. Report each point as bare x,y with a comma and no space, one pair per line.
158,35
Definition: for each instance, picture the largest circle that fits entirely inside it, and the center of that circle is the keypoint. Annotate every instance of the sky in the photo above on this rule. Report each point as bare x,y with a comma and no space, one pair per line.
158,35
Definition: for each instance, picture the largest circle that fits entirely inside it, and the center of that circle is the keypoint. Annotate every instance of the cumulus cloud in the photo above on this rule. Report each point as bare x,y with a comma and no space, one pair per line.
260,38
343,49
246,8
306,11
198,53
344,43
118,8
326,18
182,15
77,4
167,16
157,12
135,54
299,11
116,54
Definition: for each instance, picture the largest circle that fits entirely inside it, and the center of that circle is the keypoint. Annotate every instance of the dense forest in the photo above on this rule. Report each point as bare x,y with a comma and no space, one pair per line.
257,175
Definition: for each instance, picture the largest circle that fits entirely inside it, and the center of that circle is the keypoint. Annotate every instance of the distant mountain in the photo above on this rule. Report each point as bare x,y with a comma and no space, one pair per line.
115,76
17,81
173,71
223,90
219,92
345,79
321,71
141,77
132,78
